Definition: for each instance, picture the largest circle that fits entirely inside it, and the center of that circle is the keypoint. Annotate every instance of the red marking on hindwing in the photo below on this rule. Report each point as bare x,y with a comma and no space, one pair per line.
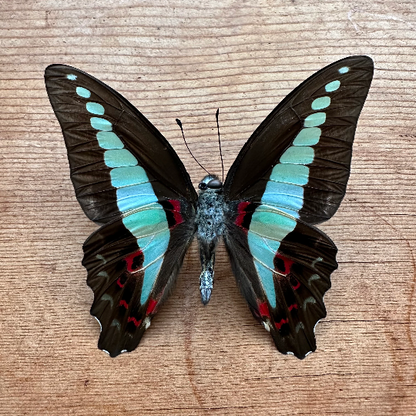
282,264
176,210
119,283
264,309
134,320
281,323
296,285
173,213
294,306
123,303
241,214
134,261
151,306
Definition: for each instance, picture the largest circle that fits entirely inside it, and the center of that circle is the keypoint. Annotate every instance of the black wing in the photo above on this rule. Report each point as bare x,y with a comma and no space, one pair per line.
292,173
127,177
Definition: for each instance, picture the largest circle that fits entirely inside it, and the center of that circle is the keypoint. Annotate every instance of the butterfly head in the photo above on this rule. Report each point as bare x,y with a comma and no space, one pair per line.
210,183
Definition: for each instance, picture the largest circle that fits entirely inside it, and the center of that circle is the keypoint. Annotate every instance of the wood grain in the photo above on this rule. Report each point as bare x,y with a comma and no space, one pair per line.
185,59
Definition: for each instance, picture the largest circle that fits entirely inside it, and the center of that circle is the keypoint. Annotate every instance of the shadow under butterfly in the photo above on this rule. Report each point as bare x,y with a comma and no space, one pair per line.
289,176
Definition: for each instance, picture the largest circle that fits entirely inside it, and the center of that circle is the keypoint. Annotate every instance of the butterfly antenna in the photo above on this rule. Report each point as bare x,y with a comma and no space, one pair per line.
219,145
186,144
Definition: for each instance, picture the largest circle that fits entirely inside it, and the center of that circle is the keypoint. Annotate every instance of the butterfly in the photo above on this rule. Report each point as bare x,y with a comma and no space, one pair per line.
290,175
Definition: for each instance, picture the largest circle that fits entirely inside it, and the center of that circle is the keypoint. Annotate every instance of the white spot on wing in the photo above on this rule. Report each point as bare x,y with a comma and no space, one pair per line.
299,326
310,299
116,323
266,326
109,298
312,278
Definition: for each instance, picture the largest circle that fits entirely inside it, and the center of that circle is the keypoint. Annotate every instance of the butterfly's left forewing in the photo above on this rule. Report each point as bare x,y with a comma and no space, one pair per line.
292,173
127,177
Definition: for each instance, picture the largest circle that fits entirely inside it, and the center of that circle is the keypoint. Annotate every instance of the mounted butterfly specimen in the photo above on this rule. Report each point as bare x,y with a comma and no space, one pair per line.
290,175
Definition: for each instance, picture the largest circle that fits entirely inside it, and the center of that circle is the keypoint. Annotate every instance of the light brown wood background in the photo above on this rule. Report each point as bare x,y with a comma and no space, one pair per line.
185,59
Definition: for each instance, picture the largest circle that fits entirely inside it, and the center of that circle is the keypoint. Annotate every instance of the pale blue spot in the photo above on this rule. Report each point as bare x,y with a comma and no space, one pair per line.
316,261
312,278
271,207
83,92
310,299
146,222
95,108
343,70
320,103
98,123
289,202
272,225
115,322
109,140
272,245
108,298
135,196
281,188
263,249
144,242
260,254
315,119
285,172
127,176
266,278
156,248
119,158
104,275
332,86
71,77
150,227
149,278
308,137
299,326
301,155
289,212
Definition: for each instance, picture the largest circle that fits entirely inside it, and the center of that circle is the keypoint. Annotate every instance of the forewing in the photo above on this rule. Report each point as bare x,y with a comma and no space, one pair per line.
127,177
299,158
110,144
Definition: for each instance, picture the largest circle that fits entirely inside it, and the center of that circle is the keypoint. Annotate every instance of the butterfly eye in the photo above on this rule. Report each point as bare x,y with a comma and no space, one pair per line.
214,184
202,186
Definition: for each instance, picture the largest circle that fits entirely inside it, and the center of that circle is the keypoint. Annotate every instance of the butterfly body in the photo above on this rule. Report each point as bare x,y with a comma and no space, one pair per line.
290,175
210,220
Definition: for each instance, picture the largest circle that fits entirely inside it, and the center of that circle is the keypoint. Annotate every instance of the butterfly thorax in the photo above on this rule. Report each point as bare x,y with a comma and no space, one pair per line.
210,227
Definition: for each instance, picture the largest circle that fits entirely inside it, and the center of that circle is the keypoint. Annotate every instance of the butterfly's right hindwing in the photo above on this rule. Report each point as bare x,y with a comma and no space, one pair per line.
283,267
131,275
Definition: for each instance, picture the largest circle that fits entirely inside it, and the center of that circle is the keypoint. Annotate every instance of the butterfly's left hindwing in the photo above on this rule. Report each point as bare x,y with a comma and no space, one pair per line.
127,177
291,174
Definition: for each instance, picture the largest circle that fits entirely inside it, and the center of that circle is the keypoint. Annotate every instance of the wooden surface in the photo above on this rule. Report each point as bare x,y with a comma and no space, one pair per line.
185,59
